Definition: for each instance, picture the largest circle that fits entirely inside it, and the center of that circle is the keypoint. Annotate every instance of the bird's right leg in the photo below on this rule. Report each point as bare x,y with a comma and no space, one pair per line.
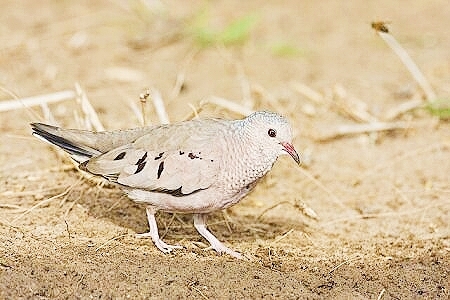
153,233
200,225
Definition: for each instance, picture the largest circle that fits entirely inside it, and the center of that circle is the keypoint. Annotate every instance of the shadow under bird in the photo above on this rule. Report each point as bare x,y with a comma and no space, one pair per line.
196,166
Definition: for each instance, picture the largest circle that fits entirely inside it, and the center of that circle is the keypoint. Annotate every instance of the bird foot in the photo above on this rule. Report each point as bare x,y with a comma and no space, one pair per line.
166,248
223,249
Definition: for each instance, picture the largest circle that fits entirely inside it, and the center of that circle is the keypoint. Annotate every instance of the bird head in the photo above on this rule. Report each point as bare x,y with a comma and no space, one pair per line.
272,134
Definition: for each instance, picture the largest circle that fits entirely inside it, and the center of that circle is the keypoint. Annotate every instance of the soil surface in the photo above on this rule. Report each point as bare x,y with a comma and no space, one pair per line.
382,198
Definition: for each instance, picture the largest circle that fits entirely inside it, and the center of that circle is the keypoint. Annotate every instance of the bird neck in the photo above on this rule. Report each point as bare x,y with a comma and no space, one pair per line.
247,157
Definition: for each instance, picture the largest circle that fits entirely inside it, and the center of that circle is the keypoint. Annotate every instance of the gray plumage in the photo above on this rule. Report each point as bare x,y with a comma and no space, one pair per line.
196,166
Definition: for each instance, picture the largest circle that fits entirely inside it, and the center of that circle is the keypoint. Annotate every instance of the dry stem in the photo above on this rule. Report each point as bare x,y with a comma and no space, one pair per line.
36,100
384,215
160,108
110,241
45,202
91,118
228,104
357,256
408,62
343,130
308,92
322,187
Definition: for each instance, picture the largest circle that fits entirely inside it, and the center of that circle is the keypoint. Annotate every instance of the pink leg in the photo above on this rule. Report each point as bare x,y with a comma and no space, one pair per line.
200,225
153,233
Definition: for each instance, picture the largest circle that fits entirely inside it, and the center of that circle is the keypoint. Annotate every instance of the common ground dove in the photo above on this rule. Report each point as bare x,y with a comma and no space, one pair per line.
196,166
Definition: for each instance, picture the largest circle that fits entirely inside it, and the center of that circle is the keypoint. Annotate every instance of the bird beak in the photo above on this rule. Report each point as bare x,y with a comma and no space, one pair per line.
290,149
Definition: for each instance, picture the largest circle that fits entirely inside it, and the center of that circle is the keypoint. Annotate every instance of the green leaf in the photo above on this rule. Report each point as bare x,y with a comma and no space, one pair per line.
440,108
238,31
285,49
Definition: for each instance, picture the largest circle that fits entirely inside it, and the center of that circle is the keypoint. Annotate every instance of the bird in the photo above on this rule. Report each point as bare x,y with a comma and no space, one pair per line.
197,166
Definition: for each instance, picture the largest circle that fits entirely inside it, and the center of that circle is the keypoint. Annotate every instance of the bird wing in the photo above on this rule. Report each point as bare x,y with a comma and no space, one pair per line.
178,159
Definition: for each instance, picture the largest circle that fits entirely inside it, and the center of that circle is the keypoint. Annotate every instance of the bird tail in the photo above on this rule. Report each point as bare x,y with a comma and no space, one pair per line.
78,143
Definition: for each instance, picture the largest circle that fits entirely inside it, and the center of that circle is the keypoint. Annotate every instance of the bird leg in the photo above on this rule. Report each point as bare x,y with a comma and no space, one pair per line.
200,225
153,233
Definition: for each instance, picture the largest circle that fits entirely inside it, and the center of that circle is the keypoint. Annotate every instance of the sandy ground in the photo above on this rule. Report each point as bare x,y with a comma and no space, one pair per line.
382,198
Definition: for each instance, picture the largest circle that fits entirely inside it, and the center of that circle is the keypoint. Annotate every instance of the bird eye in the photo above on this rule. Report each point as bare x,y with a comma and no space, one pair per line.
272,132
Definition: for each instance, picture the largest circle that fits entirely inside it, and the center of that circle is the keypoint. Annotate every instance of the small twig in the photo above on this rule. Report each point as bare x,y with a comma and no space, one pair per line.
344,262
91,118
180,81
380,295
67,228
66,214
6,223
158,103
283,236
308,92
45,202
115,203
322,187
228,220
10,206
79,282
343,130
36,100
351,106
72,204
309,239
403,108
48,116
40,204
309,212
143,99
138,113
110,241
390,40
192,286
384,215
179,219
269,252
227,104
24,194
166,229
195,111
270,208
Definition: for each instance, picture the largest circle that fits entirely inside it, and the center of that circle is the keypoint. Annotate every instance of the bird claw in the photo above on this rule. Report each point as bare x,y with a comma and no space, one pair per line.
166,248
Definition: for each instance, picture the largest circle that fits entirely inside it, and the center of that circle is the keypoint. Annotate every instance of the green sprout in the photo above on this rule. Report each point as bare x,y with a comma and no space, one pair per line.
440,108
237,32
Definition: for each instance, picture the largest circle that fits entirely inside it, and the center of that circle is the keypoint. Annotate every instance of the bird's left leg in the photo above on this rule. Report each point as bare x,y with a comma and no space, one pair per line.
153,233
200,225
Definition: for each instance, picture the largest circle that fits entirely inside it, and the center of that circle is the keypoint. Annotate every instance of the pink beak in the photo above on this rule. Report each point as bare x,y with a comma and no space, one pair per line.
291,150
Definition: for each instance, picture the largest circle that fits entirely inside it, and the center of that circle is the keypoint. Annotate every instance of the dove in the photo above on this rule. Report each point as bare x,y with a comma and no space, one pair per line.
196,166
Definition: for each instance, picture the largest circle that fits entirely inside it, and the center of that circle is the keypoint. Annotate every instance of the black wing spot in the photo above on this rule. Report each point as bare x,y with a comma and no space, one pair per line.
181,152
140,167
159,156
120,156
177,192
142,159
192,155
160,169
